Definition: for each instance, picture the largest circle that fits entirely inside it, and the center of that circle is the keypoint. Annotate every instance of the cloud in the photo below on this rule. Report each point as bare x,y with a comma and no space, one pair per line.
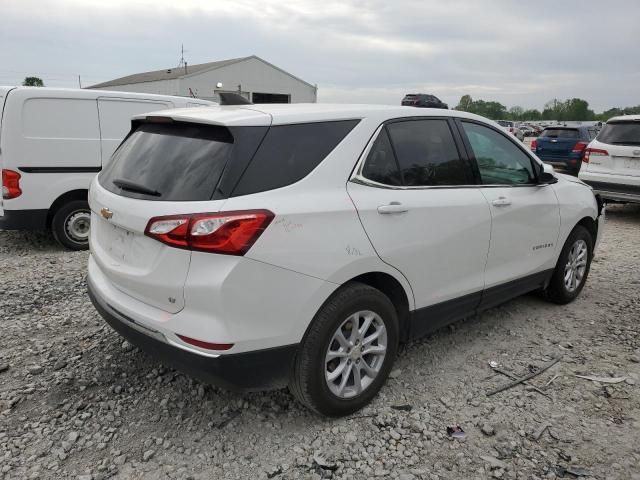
365,51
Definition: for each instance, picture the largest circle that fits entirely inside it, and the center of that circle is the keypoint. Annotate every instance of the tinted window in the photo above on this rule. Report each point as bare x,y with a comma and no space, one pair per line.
620,133
500,161
177,162
381,165
562,133
427,154
288,153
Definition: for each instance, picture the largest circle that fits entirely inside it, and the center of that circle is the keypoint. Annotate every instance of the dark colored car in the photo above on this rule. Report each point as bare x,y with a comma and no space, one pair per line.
563,147
423,100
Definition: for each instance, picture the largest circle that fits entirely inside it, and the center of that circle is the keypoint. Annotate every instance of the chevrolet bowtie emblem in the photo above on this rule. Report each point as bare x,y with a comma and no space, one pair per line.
106,213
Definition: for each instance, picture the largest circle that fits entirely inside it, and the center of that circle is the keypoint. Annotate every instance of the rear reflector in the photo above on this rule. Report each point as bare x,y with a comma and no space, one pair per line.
207,345
595,152
579,147
228,233
10,184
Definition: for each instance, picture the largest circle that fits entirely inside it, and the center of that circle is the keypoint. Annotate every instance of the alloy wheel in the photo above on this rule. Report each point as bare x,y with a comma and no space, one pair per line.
355,354
576,265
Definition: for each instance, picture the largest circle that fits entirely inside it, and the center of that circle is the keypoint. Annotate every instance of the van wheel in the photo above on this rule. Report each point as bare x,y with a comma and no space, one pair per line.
70,225
348,351
572,268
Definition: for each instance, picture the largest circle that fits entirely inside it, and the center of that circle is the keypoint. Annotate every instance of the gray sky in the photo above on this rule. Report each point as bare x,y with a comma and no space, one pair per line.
375,51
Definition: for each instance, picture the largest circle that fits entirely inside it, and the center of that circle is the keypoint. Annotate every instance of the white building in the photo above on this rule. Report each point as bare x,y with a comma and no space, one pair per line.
258,80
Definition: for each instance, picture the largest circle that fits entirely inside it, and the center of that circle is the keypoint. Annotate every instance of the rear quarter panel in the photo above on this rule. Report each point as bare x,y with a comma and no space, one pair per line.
317,230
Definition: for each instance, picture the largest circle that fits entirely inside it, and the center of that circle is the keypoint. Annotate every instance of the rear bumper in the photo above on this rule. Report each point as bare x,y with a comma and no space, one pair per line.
615,191
24,220
568,163
256,370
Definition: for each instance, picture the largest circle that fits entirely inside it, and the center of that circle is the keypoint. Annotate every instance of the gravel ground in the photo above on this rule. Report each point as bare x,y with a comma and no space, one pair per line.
78,402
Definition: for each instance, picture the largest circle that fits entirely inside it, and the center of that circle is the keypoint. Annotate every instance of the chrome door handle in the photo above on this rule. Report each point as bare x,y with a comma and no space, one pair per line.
393,207
501,202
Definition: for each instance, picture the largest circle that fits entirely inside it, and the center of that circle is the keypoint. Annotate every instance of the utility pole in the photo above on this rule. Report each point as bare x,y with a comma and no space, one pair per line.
79,82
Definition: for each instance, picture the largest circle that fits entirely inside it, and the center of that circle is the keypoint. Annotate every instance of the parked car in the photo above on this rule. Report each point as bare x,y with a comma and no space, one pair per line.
423,100
611,162
527,131
511,128
299,244
563,147
52,143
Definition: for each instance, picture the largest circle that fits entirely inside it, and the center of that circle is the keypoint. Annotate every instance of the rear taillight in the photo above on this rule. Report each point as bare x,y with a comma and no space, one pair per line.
511,129
229,233
593,152
579,147
10,184
534,145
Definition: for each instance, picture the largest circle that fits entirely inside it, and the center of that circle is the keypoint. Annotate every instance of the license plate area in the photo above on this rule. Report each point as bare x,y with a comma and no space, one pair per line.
120,240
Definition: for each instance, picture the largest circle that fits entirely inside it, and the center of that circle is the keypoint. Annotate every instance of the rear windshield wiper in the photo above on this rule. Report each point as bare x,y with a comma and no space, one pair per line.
135,187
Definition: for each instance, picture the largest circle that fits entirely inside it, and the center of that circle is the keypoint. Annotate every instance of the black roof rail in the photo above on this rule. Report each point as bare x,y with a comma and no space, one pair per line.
229,98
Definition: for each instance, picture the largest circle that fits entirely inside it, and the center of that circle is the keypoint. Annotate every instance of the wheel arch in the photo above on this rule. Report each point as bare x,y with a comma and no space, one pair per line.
78,194
591,225
395,291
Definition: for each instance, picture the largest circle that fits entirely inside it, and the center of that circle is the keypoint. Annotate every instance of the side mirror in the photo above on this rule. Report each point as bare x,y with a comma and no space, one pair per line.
547,178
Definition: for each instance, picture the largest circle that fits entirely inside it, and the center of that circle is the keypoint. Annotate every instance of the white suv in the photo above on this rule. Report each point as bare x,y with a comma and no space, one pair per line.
611,162
271,245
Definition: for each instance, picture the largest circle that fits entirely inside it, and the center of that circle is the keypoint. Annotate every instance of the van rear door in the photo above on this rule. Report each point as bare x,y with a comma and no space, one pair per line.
4,91
115,120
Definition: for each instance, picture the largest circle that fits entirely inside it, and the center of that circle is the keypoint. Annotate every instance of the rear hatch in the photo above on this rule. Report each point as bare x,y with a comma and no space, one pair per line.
161,169
558,142
616,150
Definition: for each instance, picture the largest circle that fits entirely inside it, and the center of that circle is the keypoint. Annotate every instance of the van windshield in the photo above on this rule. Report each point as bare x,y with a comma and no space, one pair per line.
177,162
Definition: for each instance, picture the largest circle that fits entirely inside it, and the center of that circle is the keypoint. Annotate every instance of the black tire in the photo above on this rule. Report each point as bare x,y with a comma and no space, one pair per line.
557,291
308,383
66,223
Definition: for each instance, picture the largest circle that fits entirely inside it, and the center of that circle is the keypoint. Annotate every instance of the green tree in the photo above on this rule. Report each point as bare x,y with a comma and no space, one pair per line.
516,113
577,109
465,104
33,82
532,115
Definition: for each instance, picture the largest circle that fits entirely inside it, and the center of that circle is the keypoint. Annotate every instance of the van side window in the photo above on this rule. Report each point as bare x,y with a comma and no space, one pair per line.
499,160
427,154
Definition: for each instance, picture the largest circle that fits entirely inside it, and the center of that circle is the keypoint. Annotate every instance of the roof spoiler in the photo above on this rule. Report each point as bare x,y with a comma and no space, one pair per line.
227,98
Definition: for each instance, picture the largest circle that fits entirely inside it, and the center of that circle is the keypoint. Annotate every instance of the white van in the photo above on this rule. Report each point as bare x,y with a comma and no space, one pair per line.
52,143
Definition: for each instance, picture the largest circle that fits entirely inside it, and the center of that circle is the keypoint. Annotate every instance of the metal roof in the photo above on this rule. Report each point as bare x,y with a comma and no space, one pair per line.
179,72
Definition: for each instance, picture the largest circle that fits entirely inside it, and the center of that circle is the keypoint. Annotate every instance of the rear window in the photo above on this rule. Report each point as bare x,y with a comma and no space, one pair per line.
289,153
503,123
562,133
620,133
169,162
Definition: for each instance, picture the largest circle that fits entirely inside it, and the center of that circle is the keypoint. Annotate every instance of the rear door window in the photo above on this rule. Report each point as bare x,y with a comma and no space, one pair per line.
620,133
289,153
169,162
499,160
427,154
381,165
